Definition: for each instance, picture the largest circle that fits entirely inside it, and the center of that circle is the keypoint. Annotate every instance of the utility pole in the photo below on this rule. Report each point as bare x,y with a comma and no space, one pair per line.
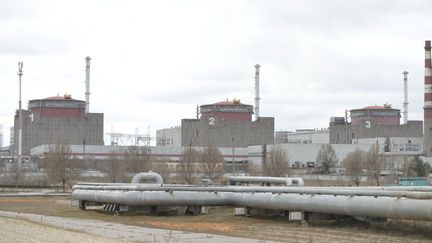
20,124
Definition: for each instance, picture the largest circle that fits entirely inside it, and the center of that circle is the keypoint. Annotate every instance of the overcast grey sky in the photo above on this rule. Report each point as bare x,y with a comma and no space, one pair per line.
154,61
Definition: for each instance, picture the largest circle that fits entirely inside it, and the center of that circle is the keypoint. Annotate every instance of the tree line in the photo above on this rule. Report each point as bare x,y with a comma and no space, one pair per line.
63,169
195,165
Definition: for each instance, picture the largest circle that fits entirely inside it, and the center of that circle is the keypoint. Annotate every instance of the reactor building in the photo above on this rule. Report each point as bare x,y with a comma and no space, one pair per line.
58,119
227,124
376,124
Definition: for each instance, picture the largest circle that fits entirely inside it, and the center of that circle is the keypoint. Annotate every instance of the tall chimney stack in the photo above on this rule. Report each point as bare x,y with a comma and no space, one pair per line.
427,123
87,82
405,104
257,98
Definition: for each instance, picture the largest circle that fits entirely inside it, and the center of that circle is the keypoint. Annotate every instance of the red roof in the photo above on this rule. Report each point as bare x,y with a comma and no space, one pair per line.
376,107
229,102
65,97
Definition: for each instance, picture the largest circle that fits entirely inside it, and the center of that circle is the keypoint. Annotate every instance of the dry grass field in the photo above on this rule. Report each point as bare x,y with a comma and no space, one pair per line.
222,221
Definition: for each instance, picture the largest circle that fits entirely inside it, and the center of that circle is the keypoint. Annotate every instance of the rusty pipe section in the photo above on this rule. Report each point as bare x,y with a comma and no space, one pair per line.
386,207
287,181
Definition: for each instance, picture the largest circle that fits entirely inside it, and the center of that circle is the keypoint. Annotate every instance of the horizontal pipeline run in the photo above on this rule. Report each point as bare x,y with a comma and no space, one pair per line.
385,207
256,189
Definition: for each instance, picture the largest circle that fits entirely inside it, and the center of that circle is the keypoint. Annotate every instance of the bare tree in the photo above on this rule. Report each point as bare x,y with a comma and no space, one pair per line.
115,167
354,164
212,163
278,163
59,166
137,159
187,168
374,164
420,168
161,166
326,158
16,169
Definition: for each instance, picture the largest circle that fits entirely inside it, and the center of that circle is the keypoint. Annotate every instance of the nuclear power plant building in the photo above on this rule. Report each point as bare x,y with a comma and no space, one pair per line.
376,124
227,124
58,119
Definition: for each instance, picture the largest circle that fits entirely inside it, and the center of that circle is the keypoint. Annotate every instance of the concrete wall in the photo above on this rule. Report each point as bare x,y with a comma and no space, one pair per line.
206,132
346,133
39,130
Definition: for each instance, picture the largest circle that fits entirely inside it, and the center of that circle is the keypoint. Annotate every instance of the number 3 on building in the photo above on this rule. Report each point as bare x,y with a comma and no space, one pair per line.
368,124
211,121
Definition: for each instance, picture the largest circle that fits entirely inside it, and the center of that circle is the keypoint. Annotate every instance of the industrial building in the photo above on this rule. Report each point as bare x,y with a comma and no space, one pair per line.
377,124
58,119
302,136
172,155
227,124
169,137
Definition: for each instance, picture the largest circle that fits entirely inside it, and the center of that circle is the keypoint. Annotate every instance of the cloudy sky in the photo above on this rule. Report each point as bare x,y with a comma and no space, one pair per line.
154,61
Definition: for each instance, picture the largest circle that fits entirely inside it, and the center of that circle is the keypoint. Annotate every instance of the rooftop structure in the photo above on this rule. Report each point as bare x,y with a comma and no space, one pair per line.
382,115
58,106
228,110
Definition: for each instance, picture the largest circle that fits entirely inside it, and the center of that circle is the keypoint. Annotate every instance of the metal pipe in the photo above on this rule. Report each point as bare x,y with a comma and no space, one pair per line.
345,205
146,177
387,202
260,189
378,188
288,181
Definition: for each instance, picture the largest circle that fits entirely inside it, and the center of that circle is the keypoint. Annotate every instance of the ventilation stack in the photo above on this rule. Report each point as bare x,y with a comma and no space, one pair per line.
427,101
405,104
257,98
87,82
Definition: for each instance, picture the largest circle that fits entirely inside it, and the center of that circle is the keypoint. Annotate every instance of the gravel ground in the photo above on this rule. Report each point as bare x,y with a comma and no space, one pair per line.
26,227
19,230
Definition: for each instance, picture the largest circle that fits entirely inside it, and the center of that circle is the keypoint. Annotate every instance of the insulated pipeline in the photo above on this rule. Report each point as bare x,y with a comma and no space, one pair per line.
254,189
386,207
